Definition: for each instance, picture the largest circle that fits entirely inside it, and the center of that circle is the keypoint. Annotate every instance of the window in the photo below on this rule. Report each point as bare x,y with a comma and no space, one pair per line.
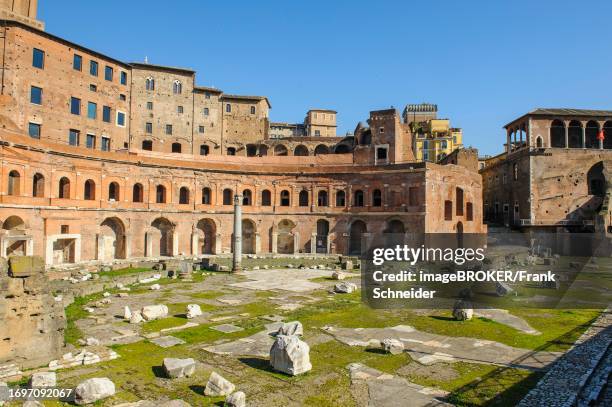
73,137
179,109
108,73
376,198
252,109
120,119
340,198
207,95
176,147
122,97
64,229
284,198
77,62
448,210
266,198
38,185
113,191
228,108
381,130
206,111
106,114
150,83
459,198
90,141
247,197
204,149
227,196
205,196
38,58
413,196
89,192
93,68
149,105
317,133
231,151
381,153
36,95
105,144
75,105
137,193
322,198
184,196
34,130
64,188
201,129
123,78
147,145
358,198
469,208
177,87
515,172
92,110
160,194
148,127
168,129
93,87
303,198
13,183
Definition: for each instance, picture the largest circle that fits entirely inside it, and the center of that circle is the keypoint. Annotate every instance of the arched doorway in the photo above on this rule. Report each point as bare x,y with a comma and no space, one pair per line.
596,181
14,229
590,134
162,237
394,232
112,239
301,150
249,231
285,239
358,228
322,236
557,134
208,238
280,150
321,149
574,134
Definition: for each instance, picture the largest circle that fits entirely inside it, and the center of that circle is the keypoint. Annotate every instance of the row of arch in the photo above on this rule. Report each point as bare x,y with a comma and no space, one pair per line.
572,135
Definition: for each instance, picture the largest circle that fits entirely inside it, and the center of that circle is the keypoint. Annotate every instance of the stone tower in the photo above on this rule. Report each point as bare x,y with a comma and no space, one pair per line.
23,11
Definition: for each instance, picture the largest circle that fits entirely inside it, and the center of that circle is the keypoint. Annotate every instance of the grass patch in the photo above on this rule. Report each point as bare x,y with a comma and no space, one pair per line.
74,312
123,272
164,323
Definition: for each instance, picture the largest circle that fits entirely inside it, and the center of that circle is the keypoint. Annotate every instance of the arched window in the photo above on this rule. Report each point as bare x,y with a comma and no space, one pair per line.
228,108
64,188
38,185
321,149
150,83
459,200
147,145
322,198
251,150
247,197
266,198
176,147
607,133
539,142
574,134
160,194
204,149
285,198
376,198
280,150
557,134
184,195
515,171
227,196
358,198
340,198
14,182
590,134
301,150
89,192
113,191
137,193
303,198
177,87
231,151
205,196
263,150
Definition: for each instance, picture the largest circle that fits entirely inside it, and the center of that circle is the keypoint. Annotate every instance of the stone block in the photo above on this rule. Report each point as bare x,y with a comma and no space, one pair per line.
94,389
26,266
43,379
291,328
290,355
175,368
218,386
237,399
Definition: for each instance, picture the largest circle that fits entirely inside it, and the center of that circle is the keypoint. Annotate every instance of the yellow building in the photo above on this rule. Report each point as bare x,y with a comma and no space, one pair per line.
433,138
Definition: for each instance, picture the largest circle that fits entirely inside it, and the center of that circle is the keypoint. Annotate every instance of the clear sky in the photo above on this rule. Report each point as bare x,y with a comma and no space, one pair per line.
483,62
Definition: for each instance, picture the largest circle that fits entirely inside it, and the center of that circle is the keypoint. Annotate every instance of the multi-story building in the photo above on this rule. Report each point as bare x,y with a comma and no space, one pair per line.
434,138
104,160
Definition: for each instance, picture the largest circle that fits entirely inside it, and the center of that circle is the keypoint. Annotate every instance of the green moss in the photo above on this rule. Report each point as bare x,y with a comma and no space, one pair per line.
123,272
74,312
164,323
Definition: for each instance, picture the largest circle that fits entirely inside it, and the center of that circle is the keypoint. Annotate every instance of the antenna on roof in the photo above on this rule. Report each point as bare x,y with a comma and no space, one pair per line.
146,59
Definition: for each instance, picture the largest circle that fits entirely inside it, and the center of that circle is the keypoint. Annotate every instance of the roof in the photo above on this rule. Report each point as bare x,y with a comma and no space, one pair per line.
564,112
207,89
323,110
162,67
246,97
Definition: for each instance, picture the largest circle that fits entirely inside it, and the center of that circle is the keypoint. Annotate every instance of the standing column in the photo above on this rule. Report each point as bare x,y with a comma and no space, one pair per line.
566,135
236,265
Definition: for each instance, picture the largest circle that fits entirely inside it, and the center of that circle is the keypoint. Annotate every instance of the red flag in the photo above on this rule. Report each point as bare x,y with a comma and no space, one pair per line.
601,136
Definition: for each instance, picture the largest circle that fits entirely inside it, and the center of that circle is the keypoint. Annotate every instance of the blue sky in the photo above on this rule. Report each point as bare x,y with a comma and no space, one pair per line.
483,62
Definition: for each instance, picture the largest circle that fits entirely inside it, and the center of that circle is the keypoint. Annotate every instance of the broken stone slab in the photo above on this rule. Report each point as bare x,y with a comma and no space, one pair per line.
345,288
193,310
502,289
218,386
338,275
43,379
127,312
94,389
167,341
290,355
463,310
392,346
291,328
227,328
151,312
237,399
175,368
136,317
347,265
155,287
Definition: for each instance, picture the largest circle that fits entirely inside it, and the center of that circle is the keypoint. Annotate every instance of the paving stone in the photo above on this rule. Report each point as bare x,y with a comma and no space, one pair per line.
167,341
227,328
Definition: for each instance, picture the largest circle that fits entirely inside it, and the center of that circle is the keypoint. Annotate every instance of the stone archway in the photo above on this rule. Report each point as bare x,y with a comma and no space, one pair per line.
112,240
249,234
394,232
207,241
285,239
14,237
162,237
357,229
